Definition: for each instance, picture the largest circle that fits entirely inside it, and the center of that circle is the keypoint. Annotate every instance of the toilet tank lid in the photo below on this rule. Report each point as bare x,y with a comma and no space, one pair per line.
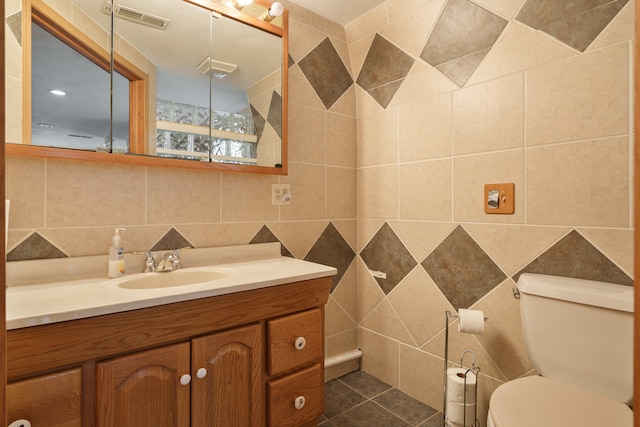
589,292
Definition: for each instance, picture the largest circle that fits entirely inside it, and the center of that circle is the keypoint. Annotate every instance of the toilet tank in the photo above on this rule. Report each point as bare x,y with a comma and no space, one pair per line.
579,332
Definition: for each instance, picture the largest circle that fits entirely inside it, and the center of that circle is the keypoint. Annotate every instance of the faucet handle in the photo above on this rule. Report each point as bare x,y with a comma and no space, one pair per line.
177,262
150,262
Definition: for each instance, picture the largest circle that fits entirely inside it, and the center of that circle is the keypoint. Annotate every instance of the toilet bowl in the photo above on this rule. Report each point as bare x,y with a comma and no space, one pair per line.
578,335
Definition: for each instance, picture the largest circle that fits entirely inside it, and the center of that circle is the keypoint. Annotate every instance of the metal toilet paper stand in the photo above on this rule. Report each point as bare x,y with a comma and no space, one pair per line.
474,369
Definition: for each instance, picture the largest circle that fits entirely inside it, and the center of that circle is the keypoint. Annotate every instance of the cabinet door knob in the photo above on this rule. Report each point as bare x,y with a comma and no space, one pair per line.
299,402
20,423
300,343
185,379
201,373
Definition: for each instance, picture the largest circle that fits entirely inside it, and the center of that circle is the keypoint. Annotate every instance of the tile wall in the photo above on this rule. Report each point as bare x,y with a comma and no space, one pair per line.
396,122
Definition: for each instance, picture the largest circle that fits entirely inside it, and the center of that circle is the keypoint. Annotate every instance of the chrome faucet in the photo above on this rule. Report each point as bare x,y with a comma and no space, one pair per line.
170,261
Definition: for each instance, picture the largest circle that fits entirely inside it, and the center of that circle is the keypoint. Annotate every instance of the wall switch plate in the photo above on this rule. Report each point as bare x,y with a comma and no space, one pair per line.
280,194
499,198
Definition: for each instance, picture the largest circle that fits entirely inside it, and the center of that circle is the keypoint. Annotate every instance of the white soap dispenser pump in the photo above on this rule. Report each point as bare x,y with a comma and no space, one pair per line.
116,255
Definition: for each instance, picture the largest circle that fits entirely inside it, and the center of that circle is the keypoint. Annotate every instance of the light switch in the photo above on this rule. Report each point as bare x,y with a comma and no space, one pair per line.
499,198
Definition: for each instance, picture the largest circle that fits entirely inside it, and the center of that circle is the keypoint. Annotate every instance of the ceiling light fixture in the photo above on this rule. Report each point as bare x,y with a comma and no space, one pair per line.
57,92
273,12
239,4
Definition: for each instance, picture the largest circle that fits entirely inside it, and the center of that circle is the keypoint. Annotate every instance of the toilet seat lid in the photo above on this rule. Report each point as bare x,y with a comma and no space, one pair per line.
536,401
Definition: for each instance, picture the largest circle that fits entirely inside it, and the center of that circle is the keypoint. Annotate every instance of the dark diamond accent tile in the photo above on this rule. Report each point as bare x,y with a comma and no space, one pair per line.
265,235
291,62
574,256
275,113
462,270
331,249
369,414
463,29
365,384
172,240
258,121
576,23
386,253
459,70
385,66
339,398
406,407
34,247
326,72
14,22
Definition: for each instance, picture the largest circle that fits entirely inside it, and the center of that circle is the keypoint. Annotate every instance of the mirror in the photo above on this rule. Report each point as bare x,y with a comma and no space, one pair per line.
168,101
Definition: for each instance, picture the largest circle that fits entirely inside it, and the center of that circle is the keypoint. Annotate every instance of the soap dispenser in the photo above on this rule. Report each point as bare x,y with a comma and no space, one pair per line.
116,255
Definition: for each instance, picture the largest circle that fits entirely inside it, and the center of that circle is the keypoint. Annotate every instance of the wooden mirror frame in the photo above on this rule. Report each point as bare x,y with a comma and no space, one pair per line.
139,89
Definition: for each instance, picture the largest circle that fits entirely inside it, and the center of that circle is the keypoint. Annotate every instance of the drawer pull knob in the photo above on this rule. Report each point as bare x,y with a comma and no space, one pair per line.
185,379
299,402
300,343
20,423
201,373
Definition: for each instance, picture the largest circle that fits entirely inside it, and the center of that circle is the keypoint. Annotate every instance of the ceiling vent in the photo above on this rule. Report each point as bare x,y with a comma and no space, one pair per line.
135,15
217,69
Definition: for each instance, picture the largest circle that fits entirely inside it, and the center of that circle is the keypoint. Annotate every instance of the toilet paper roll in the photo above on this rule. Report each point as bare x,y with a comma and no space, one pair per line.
456,413
456,385
471,321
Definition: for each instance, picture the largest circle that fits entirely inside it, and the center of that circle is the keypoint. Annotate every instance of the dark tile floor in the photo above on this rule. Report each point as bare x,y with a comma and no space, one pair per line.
361,400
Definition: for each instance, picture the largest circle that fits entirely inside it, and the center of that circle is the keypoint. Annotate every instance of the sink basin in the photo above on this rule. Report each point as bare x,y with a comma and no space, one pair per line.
171,279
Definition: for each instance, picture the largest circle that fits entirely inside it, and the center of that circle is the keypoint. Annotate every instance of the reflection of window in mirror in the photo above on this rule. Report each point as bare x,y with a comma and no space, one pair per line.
70,91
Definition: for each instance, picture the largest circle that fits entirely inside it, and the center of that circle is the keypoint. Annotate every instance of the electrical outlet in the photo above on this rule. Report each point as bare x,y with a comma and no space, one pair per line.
280,194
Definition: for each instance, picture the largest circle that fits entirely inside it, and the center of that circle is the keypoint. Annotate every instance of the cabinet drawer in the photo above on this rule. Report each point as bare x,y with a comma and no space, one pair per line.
296,398
294,341
51,400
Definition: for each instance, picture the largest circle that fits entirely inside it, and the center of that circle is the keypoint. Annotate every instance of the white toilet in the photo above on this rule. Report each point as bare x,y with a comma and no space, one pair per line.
579,337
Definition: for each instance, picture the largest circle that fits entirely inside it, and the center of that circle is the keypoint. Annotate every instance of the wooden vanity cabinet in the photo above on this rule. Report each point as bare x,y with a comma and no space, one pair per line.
52,400
237,354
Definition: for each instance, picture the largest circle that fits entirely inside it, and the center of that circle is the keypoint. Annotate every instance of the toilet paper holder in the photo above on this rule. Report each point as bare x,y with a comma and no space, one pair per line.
474,370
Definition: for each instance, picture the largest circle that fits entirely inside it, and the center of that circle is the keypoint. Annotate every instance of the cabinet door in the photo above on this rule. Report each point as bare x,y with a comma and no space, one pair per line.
144,389
51,400
230,392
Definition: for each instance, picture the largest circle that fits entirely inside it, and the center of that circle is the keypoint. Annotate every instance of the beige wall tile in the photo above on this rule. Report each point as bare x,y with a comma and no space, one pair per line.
621,28
425,190
346,104
306,16
93,194
421,237
422,82
300,90
358,51
366,24
336,319
307,134
182,196
365,104
341,188
420,305
89,27
13,114
378,192
398,8
298,236
369,293
614,244
421,376
342,49
367,228
385,321
583,97
341,140
470,173
217,234
342,342
378,138
246,197
425,129
63,7
346,293
25,188
410,32
303,39
380,356
505,8
336,31
570,184
489,116
512,247
349,230
308,192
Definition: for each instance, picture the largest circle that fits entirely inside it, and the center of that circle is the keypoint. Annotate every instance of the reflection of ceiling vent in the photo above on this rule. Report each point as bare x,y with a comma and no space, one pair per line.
217,69
135,15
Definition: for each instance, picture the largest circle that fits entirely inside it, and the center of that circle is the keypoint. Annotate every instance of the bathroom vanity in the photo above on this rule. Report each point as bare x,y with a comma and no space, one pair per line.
211,355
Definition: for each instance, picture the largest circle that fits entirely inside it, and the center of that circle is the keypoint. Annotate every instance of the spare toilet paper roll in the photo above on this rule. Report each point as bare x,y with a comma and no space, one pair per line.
471,321
456,385
456,413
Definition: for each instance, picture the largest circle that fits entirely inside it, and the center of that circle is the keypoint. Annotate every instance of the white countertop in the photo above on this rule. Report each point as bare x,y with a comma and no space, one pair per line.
35,297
